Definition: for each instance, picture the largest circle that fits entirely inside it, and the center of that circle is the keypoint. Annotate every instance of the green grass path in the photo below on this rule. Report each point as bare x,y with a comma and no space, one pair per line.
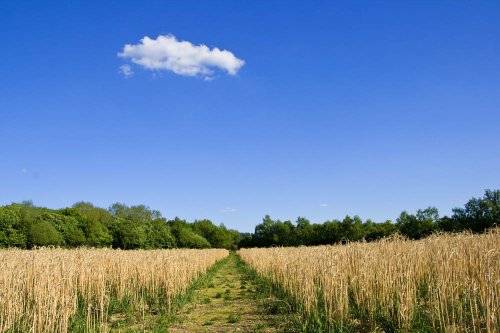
229,303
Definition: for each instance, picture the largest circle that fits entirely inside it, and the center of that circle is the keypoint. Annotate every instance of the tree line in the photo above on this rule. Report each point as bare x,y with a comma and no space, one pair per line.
477,215
25,225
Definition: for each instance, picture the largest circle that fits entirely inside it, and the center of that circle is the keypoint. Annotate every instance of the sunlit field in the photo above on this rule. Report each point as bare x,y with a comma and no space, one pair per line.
441,283
56,290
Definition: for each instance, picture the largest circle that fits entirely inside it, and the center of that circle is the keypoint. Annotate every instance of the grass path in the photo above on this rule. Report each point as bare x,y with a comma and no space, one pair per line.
229,303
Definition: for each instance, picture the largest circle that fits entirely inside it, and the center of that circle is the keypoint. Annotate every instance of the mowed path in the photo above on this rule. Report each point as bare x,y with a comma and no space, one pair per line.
227,304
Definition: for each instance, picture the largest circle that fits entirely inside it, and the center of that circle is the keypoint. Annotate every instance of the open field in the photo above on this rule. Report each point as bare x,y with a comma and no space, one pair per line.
441,283
79,290
445,283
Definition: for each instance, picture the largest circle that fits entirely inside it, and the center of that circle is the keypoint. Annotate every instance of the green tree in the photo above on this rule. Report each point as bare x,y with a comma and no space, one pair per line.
67,226
420,225
304,232
88,210
11,234
43,233
357,231
185,236
264,235
96,234
94,222
159,235
218,237
376,231
285,233
330,232
139,213
477,215
235,238
128,235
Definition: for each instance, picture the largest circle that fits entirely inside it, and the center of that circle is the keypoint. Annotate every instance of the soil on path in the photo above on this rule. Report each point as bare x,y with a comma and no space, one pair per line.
227,304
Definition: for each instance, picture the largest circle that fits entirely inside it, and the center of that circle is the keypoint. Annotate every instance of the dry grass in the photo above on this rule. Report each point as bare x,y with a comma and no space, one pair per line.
444,282
42,290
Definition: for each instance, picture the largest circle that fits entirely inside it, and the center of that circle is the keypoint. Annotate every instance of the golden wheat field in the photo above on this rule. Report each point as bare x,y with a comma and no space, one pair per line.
43,290
447,283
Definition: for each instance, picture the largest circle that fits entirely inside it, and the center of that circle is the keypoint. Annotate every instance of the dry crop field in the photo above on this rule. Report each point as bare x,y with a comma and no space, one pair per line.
57,290
440,283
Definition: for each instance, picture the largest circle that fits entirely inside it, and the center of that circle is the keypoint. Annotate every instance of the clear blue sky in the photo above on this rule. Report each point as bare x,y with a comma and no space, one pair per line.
341,107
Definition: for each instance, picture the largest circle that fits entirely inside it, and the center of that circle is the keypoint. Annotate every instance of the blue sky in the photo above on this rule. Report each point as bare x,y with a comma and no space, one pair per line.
341,107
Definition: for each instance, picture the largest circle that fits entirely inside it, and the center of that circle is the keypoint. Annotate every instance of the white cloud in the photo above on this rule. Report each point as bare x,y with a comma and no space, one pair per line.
126,70
181,57
228,210
323,205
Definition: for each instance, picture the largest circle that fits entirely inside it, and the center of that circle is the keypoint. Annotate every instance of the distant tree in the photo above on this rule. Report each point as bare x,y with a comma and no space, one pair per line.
185,236
88,210
247,240
330,232
352,228
128,235
96,234
235,238
67,226
28,214
94,222
477,215
357,231
375,231
159,235
264,233
217,236
139,213
11,234
285,232
304,233
420,225
43,233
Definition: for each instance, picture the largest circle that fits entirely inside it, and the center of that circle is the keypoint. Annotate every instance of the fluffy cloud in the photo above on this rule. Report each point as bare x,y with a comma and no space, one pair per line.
323,205
181,57
228,210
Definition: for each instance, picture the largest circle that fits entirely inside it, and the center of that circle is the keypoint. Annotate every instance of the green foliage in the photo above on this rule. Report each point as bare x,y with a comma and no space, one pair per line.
25,225
376,231
278,233
88,210
128,235
43,233
67,226
477,215
186,237
94,223
136,227
11,234
420,225
96,234
159,235
217,236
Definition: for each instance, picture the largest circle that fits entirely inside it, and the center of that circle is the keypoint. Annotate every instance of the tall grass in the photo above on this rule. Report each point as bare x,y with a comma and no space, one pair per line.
442,283
56,290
